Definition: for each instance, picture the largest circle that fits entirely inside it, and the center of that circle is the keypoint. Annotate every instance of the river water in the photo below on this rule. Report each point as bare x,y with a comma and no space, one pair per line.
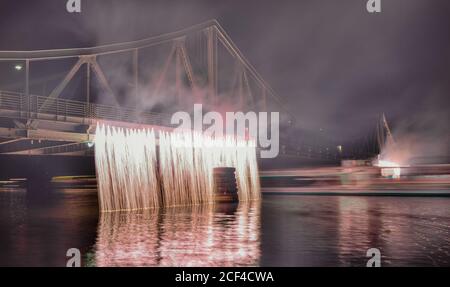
281,230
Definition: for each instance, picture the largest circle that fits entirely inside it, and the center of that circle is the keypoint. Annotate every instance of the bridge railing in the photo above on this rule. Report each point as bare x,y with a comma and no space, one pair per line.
19,105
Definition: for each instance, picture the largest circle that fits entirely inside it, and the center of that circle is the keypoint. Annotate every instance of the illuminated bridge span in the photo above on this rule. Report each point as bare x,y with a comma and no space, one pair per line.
51,100
140,82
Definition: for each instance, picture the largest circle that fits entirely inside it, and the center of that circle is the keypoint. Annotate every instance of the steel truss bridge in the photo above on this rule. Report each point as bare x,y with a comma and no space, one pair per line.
131,84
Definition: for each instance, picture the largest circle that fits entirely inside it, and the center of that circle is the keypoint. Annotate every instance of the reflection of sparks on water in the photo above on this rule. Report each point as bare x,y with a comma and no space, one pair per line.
128,177
199,235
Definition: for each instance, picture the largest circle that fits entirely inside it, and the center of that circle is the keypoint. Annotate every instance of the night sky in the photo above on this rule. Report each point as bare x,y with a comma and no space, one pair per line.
334,64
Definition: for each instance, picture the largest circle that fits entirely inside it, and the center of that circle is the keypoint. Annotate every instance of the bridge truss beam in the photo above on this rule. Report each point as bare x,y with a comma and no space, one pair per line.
37,117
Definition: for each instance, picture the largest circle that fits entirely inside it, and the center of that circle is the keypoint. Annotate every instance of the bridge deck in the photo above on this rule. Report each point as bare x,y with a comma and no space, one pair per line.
37,125
63,126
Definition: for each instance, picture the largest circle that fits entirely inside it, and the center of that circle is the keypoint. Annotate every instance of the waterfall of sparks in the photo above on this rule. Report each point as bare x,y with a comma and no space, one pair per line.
187,160
129,178
126,168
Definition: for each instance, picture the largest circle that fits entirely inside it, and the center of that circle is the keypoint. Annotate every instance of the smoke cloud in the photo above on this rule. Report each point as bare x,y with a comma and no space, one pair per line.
335,66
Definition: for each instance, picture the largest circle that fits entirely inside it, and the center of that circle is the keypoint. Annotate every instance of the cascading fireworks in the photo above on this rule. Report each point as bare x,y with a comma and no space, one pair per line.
129,178
126,168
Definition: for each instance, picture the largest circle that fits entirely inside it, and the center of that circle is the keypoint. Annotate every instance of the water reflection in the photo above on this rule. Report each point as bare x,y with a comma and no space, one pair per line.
338,230
354,230
200,235
37,230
